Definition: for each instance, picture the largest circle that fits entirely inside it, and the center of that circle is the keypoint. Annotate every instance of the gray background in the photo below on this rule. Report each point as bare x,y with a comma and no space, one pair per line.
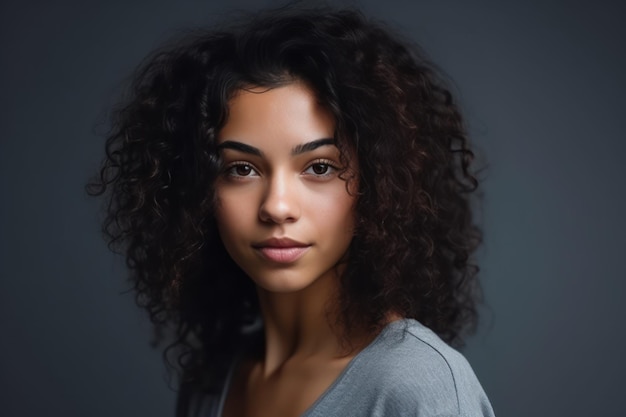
543,87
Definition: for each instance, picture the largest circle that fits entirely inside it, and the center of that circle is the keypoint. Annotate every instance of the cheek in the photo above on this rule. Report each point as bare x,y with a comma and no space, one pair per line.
230,214
340,201
336,213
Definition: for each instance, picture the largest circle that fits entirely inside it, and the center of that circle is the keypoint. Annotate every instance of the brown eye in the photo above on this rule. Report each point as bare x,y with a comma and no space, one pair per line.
240,170
243,170
320,169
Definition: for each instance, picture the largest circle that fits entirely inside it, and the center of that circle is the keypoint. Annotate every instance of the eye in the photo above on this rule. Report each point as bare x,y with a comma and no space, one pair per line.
321,169
240,169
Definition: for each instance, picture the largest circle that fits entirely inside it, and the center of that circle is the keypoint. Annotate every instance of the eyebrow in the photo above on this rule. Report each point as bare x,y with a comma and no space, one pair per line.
238,146
311,146
297,150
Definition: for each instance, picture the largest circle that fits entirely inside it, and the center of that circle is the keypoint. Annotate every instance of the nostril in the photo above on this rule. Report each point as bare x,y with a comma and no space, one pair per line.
279,206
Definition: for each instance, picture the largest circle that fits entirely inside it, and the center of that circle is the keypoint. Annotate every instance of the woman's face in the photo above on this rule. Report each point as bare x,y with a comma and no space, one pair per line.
283,213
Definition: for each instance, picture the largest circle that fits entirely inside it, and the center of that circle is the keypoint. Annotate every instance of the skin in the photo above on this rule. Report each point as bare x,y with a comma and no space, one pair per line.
280,179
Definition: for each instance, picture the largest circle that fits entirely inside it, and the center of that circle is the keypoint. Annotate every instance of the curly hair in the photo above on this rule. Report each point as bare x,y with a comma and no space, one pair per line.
415,233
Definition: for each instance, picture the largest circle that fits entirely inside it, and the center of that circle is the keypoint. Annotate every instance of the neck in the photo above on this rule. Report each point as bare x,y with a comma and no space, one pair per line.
301,324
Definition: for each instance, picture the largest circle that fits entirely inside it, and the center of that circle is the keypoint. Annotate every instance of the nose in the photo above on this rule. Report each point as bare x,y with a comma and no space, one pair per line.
280,201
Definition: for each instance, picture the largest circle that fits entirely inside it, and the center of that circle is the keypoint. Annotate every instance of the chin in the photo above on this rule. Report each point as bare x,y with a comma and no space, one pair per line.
282,286
284,282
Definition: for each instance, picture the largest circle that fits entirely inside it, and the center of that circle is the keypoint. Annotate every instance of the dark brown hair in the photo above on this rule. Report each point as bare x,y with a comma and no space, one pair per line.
415,232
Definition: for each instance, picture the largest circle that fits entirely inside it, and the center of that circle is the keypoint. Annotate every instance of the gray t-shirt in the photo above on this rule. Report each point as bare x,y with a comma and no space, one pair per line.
406,371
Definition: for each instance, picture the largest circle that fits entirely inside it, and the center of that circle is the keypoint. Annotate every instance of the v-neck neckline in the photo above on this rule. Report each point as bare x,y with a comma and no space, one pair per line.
331,388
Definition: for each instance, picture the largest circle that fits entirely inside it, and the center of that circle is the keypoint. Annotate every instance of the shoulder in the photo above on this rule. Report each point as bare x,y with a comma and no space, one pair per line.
417,351
419,372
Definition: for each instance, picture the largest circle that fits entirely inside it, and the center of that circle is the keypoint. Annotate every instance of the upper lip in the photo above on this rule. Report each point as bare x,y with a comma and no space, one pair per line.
279,242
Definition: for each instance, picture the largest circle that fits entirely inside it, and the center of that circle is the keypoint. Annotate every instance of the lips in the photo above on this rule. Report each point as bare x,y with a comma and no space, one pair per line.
281,250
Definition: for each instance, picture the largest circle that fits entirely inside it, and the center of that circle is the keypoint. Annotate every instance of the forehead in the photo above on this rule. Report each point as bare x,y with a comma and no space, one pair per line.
290,113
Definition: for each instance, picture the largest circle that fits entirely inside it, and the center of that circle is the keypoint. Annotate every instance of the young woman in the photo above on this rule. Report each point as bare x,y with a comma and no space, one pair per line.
293,195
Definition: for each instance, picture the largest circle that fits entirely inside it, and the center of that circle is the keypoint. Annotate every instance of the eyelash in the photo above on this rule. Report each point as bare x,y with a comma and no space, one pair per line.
330,164
230,169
